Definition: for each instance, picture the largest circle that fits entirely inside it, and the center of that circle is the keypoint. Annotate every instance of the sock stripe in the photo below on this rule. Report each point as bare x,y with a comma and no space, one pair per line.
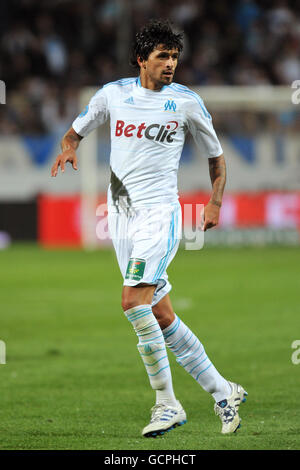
197,365
152,348
150,332
139,317
180,339
152,339
186,350
163,368
153,352
190,354
135,317
153,364
132,316
198,357
178,349
172,331
203,371
146,327
144,309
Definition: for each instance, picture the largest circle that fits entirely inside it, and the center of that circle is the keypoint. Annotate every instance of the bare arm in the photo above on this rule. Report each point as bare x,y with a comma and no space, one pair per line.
217,171
69,145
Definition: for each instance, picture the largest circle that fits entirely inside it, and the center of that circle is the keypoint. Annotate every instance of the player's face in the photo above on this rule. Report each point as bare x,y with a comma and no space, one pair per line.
160,66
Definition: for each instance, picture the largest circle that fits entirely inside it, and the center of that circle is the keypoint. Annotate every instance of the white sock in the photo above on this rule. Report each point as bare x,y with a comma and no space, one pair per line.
191,355
153,352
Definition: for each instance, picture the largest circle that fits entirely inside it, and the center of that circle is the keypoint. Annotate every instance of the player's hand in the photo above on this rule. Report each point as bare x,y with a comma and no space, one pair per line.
211,216
66,156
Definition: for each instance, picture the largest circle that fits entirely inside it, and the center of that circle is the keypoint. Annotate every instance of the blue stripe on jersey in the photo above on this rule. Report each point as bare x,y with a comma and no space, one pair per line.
161,261
169,251
186,89
183,89
174,241
121,82
164,260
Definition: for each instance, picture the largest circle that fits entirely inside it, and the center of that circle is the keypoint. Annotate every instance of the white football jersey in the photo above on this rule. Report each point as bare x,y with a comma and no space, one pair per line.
148,130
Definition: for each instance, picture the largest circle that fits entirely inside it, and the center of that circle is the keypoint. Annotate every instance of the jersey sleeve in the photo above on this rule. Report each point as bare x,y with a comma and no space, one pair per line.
94,114
199,123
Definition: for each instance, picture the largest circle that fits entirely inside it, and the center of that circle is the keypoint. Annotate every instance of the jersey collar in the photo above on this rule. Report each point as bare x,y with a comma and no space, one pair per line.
147,90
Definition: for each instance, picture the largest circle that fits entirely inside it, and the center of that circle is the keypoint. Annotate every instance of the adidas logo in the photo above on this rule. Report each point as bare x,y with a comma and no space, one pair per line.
129,100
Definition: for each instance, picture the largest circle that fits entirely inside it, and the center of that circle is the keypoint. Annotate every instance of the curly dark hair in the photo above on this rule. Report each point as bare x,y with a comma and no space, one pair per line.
150,36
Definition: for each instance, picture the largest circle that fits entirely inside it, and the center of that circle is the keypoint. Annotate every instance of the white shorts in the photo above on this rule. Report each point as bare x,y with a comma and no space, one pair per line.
145,243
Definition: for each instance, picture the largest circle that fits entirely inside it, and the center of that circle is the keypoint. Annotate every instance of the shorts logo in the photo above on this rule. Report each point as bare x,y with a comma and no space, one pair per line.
170,106
135,269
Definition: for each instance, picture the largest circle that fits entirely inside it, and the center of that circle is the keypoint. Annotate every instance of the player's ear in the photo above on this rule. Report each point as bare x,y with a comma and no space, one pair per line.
141,62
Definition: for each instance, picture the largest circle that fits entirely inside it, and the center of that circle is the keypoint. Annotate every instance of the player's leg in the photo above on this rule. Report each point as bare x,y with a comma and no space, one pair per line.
137,295
136,303
190,354
142,256
167,412
189,351
164,312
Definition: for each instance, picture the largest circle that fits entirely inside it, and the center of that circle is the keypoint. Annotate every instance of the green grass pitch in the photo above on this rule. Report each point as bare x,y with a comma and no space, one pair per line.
73,378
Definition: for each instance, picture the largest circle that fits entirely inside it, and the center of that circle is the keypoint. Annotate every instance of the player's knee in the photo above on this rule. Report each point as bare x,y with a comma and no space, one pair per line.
129,300
135,296
128,304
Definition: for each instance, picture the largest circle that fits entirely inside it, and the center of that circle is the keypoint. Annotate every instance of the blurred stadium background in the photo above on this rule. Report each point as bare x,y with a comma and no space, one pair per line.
241,56
60,313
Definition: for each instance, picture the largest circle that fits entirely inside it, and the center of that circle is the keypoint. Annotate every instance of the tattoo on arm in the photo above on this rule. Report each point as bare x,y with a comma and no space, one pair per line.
217,171
70,140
